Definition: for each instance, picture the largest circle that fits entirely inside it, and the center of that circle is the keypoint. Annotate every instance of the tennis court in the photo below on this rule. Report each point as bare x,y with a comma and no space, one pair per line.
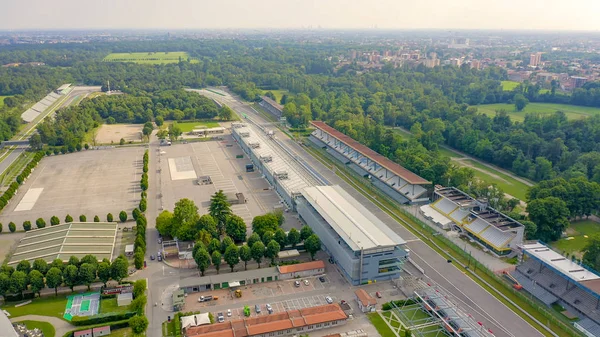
87,304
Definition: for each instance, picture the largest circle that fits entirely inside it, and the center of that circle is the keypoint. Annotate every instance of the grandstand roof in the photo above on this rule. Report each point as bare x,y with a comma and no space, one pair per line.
64,86
272,102
357,226
562,264
402,172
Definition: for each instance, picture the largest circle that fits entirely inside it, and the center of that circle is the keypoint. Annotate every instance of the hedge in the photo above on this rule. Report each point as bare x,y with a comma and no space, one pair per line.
101,318
399,303
113,326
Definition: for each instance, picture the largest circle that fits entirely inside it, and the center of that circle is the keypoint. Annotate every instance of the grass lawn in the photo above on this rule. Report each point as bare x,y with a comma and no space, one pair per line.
379,324
509,85
2,100
277,93
47,306
189,126
168,328
509,185
149,58
572,111
576,239
46,328
125,332
110,305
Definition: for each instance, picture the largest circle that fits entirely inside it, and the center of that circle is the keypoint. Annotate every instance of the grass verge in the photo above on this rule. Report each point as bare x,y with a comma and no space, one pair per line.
382,328
15,168
49,306
46,327
486,279
571,111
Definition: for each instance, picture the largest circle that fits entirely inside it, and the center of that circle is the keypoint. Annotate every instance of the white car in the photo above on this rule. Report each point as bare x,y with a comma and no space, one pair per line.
329,300
228,312
306,282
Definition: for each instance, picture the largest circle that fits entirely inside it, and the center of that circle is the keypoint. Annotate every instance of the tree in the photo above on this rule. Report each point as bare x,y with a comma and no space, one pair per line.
73,260
520,102
236,228
58,263
54,279
96,218
18,282
214,245
208,224
305,232
216,260
138,324
272,250
203,259
263,223
164,222
40,223
253,239
174,131
185,218
138,258
139,288
12,227
267,237
148,128
219,209
71,275
118,268
82,218
109,217
232,256
123,216
122,141
550,216
24,266
312,244
87,274
530,229
68,218
104,272
35,141
159,120
4,283
280,237
293,237
258,252
225,113
138,304
143,205
36,280
591,252
54,220
226,242
40,265
162,134
245,255
135,214
27,225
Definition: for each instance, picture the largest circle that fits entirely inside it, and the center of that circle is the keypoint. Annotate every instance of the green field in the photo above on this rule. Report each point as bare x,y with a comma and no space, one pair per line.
572,111
509,85
189,126
578,232
48,306
278,94
110,305
2,100
46,327
508,184
149,58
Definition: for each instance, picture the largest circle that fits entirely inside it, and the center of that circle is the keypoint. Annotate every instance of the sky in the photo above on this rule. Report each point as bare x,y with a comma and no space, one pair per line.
297,14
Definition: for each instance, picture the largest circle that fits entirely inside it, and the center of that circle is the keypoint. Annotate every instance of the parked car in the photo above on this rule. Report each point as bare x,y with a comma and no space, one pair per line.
306,282
378,294
329,299
343,302
159,258
228,312
152,257
159,241
297,283
257,308
206,298
322,279
269,308
220,317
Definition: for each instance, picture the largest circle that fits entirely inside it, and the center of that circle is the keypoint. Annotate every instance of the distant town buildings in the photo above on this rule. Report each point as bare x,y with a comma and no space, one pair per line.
578,81
535,59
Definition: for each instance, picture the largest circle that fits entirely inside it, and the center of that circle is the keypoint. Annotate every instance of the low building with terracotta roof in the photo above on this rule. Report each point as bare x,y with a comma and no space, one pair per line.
293,322
366,302
301,270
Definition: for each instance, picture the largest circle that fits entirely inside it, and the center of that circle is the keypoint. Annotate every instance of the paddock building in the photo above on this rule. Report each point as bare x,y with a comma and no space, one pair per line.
396,181
63,241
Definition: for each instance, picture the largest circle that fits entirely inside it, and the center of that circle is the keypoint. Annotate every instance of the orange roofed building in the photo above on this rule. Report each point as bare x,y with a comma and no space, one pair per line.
301,270
277,324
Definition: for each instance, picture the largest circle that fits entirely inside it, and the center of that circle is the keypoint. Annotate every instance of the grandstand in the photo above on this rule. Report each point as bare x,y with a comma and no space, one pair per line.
32,113
488,227
553,278
271,106
399,183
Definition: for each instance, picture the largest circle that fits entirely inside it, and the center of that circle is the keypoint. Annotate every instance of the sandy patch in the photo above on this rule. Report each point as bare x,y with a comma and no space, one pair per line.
114,132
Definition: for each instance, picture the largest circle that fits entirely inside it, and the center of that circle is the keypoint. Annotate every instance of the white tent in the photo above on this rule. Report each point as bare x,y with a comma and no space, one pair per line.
194,320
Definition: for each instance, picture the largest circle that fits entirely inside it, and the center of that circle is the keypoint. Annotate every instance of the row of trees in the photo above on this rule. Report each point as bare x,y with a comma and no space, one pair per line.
12,188
54,220
140,219
40,274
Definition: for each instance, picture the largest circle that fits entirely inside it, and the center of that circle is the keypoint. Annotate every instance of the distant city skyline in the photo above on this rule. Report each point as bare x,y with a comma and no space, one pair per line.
295,14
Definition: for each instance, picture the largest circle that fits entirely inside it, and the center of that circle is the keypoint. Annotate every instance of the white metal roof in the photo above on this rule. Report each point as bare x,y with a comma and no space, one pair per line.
559,262
360,228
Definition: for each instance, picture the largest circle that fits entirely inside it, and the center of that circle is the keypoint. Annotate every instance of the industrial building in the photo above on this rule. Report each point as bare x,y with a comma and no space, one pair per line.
271,106
491,229
301,270
286,173
222,281
363,247
292,322
399,183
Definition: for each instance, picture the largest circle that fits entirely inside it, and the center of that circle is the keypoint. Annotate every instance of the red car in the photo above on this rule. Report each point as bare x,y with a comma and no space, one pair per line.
378,294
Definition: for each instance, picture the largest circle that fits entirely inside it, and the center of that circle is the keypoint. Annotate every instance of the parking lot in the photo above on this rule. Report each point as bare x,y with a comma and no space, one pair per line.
281,306
92,182
181,165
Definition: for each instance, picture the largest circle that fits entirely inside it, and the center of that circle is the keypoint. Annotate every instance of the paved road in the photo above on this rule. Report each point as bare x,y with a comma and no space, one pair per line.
476,300
61,327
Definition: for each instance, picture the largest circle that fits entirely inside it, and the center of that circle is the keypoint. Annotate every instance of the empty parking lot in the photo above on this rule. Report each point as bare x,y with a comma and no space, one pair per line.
93,182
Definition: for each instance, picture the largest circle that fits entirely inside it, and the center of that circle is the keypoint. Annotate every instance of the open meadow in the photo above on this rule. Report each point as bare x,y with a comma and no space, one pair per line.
190,126
278,94
572,111
150,57
509,85
578,234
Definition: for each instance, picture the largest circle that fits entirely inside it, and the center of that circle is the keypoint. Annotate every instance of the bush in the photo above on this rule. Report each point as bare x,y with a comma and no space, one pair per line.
143,205
123,216
54,220
27,225
101,318
109,217
96,218
1,227
68,218
82,218
122,141
12,227
399,303
40,223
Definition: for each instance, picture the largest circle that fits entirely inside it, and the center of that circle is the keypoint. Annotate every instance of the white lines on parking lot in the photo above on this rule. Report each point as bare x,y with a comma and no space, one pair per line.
300,303
243,212
224,184
209,167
